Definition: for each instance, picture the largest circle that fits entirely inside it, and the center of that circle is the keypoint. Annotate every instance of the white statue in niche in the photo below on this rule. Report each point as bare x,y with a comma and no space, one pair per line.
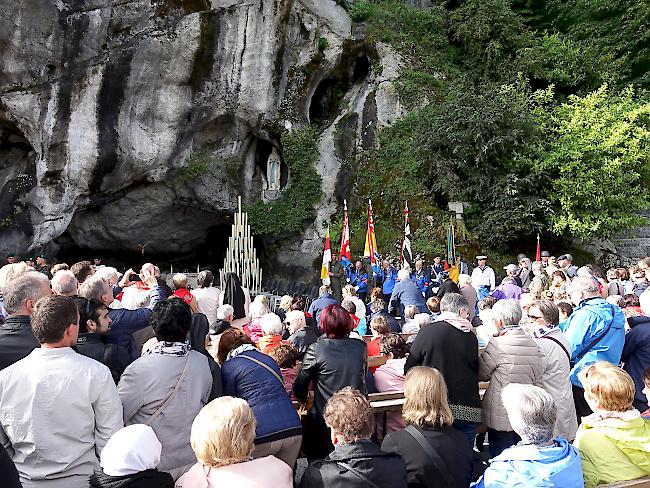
273,171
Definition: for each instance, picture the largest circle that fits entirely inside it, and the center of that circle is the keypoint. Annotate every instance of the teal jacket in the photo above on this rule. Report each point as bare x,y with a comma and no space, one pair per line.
587,321
526,466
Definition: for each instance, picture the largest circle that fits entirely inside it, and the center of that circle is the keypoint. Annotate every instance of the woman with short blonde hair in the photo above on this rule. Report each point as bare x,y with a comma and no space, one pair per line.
614,441
429,420
223,435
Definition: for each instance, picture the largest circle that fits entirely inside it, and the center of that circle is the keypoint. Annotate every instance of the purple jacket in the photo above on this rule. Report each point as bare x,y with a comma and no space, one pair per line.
506,291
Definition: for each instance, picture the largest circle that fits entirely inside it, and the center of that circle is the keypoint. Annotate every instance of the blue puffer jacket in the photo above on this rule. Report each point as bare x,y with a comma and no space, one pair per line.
636,356
588,320
275,415
556,466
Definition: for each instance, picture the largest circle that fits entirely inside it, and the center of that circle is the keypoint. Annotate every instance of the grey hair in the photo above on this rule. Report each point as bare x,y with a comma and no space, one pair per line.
548,309
585,285
64,283
93,288
26,286
508,312
257,309
410,311
225,311
584,272
349,305
403,274
454,303
422,319
271,324
532,412
108,272
324,289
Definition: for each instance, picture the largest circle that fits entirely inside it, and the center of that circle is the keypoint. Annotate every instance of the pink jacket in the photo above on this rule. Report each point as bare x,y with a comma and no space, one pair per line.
266,472
390,377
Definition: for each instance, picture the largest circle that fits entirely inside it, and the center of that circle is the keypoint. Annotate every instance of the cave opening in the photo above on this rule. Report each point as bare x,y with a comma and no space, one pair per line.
262,153
328,95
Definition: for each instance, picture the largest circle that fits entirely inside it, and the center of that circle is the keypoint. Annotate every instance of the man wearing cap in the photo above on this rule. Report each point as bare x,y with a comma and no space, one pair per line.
42,266
566,262
509,288
545,255
11,259
525,272
483,278
436,272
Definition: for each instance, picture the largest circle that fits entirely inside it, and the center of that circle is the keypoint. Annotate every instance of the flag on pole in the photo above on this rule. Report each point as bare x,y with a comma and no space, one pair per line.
452,264
406,256
538,253
344,254
327,259
370,249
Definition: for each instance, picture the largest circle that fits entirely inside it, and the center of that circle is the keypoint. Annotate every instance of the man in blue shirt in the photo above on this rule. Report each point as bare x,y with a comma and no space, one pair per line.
388,278
359,279
421,277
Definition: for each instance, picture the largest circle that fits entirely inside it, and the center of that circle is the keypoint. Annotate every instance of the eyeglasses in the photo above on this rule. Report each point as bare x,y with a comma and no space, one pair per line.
534,317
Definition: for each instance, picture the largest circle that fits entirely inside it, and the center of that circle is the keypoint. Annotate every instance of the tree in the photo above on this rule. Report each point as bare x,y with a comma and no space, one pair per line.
597,157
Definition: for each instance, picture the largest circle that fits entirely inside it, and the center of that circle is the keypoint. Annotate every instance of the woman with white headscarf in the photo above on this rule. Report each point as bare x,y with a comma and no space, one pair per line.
129,460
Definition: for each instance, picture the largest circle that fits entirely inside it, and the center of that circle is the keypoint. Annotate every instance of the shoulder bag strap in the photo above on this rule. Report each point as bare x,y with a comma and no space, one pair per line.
431,452
357,473
172,395
268,368
596,339
568,355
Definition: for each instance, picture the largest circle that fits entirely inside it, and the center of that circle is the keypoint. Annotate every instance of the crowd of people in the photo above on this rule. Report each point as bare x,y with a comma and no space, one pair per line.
112,379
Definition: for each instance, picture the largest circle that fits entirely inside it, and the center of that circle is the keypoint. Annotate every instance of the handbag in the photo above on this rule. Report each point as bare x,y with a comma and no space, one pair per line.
169,399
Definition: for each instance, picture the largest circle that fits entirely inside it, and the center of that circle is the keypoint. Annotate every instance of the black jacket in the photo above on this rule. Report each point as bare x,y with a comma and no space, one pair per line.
448,442
151,478
382,468
16,340
455,354
8,472
448,286
332,364
198,332
302,339
94,346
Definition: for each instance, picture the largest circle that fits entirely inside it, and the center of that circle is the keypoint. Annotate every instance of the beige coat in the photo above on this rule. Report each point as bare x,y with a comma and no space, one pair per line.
555,381
513,357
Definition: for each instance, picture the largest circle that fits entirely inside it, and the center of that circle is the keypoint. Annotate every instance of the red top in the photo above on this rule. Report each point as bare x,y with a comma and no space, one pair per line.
183,293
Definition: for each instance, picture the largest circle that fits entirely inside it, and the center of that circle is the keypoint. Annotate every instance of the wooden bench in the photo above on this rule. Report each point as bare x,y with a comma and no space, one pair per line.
638,483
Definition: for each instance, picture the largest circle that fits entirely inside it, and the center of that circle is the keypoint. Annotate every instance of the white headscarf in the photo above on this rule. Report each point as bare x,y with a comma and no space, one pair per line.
131,450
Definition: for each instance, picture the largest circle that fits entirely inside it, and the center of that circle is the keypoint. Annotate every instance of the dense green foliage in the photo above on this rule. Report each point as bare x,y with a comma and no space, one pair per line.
511,112
296,205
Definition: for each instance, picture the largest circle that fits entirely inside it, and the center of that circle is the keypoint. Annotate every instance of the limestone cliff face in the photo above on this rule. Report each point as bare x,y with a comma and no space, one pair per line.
125,122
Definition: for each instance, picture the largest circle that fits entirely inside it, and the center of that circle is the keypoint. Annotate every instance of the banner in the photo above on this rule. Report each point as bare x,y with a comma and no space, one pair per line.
370,249
344,254
406,256
452,264
327,259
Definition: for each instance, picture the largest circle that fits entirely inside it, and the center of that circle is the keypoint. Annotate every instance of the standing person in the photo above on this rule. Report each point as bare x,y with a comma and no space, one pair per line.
596,332
405,293
94,326
64,406
20,296
256,377
427,413
356,461
359,280
545,257
168,386
483,278
507,290
436,272
615,286
207,296
450,346
331,363
544,317
324,299
42,266
350,294
421,277
237,297
566,262
614,441
301,335
511,357
387,278
540,281
447,286
468,291
525,272
636,351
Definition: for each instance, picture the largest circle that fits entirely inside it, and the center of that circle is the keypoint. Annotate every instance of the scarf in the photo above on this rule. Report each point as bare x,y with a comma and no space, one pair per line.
238,350
130,450
543,330
606,414
170,348
457,321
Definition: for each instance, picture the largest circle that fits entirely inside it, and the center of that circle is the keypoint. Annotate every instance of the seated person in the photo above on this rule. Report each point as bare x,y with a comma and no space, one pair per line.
272,329
356,461
223,435
287,358
360,325
129,460
409,313
538,460
614,441
389,377
428,416
379,328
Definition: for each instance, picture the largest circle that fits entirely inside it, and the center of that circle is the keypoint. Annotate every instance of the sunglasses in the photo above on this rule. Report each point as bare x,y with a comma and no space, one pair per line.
534,317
